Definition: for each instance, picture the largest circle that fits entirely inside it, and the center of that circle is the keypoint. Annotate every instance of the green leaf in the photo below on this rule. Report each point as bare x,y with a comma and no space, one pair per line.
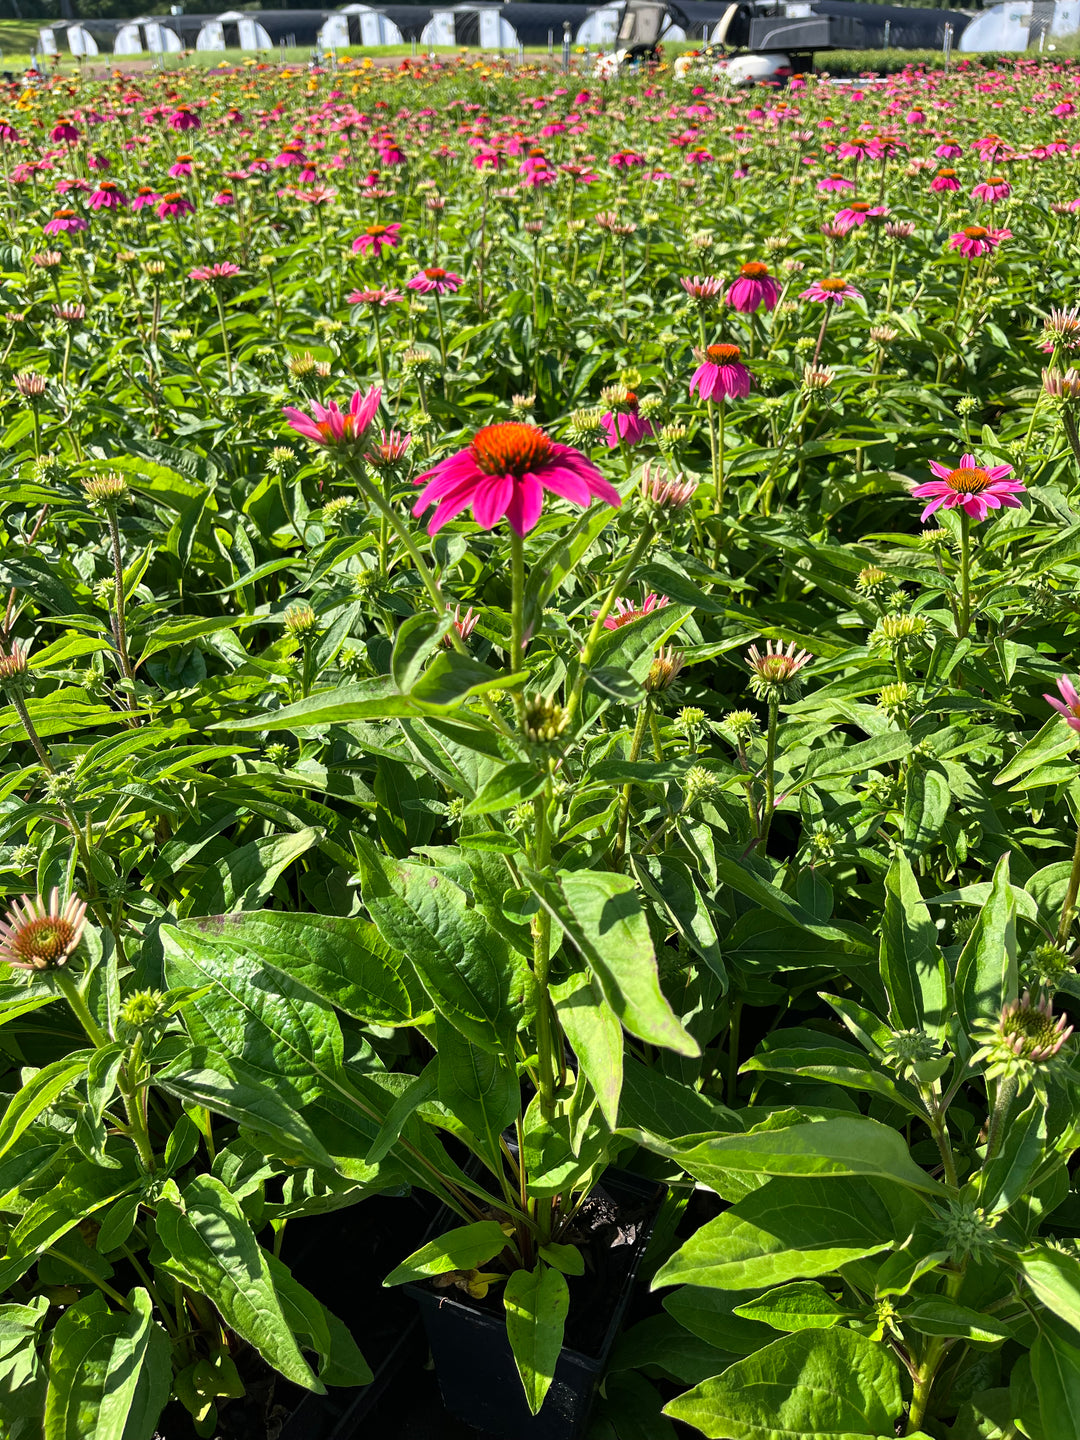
710,1315
602,914
38,1094
83,1189
245,876
986,977
652,1101
926,808
288,1036
415,641
1055,1279
109,1374
465,1248
474,978
227,1086
210,1242
509,786
594,1033
802,1305
934,1315
1053,742
1055,1368
839,1146
787,1230
567,1258
536,1304
912,967
341,959
317,1330
836,1066
479,1087
817,1385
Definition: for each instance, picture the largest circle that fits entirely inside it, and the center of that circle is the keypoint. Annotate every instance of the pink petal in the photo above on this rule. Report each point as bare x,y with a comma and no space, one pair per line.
941,471
525,504
491,499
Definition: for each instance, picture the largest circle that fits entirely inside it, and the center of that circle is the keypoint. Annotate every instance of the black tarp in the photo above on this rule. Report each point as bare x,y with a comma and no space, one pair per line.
533,23
410,19
910,27
294,27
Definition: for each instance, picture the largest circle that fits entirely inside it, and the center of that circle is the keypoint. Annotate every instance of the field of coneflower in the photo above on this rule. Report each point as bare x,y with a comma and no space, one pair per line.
539,777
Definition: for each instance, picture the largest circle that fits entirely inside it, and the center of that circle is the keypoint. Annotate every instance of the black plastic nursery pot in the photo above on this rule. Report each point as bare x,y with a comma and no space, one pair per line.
473,1360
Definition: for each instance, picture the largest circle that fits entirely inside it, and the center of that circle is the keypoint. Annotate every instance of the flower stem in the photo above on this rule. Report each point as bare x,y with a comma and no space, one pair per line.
644,539
517,607
1068,909
546,1023
224,335
19,705
965,574
68,987
636,742
770,770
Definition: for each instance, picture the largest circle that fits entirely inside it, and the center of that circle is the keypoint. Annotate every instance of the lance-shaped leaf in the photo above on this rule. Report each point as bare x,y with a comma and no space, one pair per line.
462,1249
986,976
601,913
536,1304
912,966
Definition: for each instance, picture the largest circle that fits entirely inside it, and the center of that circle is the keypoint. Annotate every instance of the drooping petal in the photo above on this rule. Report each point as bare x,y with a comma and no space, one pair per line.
491,499
525,505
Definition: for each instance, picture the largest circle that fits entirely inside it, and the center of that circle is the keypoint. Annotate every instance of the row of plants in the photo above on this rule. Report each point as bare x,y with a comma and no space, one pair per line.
537,673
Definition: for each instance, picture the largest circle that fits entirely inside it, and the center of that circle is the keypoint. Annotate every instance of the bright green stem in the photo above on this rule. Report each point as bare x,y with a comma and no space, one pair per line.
936,1351
965,574
517,605
121,622
547,1029
68,987
636,742
224,335
770,770
1006,1094
442,335
1068,909
19,706
584,660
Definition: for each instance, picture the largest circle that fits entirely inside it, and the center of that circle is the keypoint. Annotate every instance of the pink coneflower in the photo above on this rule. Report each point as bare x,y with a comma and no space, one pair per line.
332,426
318,195
992,189
836,181
376,239
181,166
1061,329
668,492
64,131
720,374
8,134
291,154
374,297
212,274
777,668
623,423
64,221
390,450
505,471
174,204
184,118
463,624
580,174
832,291
949,150
623,612
899,229
705,289
858,213
223,198
1068,705
626,160
34,937
976,489
435,282
976,240
108,196
753,288
145,195
945,180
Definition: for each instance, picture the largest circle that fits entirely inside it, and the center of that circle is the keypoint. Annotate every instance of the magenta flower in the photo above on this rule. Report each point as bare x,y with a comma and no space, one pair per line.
505,471
184,118
435,282
333,426
223,197
1069,704
64,221
977,489
945,180
108,196
833,291
625,611
705,289
720,375
8,134
949,150
390,450
181,166
145,195
836,182
64,131
223,270
976,240
374,297
174,204
857,214
753,288
992,189
376,239
623,423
